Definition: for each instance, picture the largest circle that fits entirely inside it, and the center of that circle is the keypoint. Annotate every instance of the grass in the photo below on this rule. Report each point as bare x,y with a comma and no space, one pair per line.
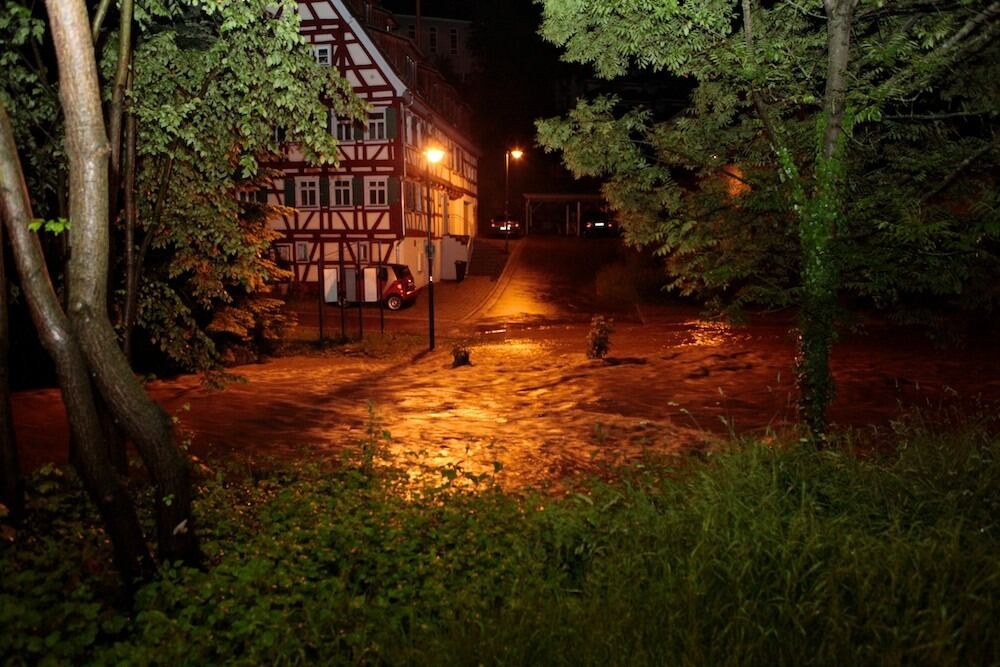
758,555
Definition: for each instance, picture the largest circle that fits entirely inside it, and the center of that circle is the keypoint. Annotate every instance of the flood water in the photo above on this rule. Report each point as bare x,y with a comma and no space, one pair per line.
532,404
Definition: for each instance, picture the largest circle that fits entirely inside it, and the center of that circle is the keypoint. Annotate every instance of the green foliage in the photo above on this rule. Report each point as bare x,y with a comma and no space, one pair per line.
910,203
212,81
210,123
27,93
57,226
599,337
759,555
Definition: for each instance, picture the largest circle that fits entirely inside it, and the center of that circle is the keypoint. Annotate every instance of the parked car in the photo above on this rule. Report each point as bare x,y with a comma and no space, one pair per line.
599,224
396,280
398,286
501,226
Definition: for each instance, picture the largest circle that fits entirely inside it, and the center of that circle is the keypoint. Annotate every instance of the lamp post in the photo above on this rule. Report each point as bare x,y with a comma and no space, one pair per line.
432,155
508,154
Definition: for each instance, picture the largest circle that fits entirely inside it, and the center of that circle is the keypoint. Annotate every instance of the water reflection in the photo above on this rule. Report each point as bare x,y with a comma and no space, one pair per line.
707,333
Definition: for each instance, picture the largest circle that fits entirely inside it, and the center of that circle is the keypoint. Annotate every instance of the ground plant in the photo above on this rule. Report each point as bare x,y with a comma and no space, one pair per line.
760,554
599,337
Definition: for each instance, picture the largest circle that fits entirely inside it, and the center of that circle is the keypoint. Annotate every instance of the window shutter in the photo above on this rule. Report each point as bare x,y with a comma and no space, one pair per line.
324,191
390,123
358,184
393,190
289,191
359,130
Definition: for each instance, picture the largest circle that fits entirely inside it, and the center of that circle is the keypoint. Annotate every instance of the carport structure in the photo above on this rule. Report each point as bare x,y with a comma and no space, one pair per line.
573,203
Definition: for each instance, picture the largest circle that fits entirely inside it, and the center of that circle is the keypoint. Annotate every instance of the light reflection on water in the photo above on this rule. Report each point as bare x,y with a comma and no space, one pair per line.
707,333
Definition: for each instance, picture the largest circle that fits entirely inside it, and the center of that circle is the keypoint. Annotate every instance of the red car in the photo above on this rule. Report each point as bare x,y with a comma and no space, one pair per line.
398,286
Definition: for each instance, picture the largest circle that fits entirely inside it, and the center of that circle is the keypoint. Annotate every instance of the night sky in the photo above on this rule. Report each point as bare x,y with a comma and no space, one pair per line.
522,78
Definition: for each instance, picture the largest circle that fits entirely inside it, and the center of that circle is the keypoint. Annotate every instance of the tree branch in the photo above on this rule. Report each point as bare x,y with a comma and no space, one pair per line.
758,101
99,16
985,16
962,166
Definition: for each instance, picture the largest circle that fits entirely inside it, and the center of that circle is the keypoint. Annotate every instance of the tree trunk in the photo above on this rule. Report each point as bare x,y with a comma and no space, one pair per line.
11,481
108,493
146,425
131,280
116,112
817,228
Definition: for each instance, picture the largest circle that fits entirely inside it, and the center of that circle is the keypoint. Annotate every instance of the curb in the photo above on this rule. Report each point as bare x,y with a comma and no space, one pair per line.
494,294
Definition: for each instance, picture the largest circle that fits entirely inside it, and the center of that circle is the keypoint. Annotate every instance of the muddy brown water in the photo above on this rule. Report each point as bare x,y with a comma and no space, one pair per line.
532,404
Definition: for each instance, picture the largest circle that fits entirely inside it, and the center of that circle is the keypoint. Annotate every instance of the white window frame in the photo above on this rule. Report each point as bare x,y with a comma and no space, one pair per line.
343,192
307,193
323,54
376,129
377,191
301,251
343,129
364,253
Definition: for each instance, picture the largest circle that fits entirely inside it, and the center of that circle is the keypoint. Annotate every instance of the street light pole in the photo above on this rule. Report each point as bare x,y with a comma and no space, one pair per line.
507,155
431,156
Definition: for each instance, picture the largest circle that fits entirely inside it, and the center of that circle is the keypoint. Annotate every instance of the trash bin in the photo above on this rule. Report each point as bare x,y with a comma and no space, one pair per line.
460,270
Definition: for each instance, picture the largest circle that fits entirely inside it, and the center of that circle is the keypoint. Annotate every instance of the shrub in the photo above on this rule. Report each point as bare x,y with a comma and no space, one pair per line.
460,356
759,555
599,337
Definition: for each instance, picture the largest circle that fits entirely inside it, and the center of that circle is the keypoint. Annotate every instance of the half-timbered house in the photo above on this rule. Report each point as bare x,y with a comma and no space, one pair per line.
376,205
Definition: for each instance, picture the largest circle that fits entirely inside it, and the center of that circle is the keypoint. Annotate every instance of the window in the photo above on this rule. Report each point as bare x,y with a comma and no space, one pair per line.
322,54
376,125
343,128
282,255
376,190
363,253
301,252
308,194
342,192
432,35
411,68
453,41
411,31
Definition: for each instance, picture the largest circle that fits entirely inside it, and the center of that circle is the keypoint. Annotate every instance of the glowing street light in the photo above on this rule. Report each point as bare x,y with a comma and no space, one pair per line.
432,155
517,154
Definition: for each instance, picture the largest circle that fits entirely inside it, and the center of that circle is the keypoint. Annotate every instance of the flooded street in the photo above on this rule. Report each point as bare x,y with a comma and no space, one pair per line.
531,401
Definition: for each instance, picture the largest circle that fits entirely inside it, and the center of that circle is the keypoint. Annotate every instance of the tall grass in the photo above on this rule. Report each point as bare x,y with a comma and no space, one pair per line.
756,556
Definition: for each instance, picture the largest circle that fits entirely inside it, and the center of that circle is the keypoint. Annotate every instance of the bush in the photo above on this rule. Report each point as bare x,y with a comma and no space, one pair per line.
599,337
759,555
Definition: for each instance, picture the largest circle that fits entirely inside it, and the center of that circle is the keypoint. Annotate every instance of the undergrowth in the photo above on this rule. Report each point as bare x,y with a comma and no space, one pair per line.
758,555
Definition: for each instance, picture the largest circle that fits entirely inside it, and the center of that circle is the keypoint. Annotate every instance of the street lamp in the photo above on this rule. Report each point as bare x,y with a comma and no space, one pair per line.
432,155
517,154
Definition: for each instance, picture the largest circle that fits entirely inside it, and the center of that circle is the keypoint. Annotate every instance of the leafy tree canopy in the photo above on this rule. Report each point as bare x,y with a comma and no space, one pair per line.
210,83
718,188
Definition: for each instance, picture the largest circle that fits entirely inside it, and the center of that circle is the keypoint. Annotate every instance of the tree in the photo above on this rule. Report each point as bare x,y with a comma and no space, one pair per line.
198,261
57,336
206,86
11,482
195,91
847,152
